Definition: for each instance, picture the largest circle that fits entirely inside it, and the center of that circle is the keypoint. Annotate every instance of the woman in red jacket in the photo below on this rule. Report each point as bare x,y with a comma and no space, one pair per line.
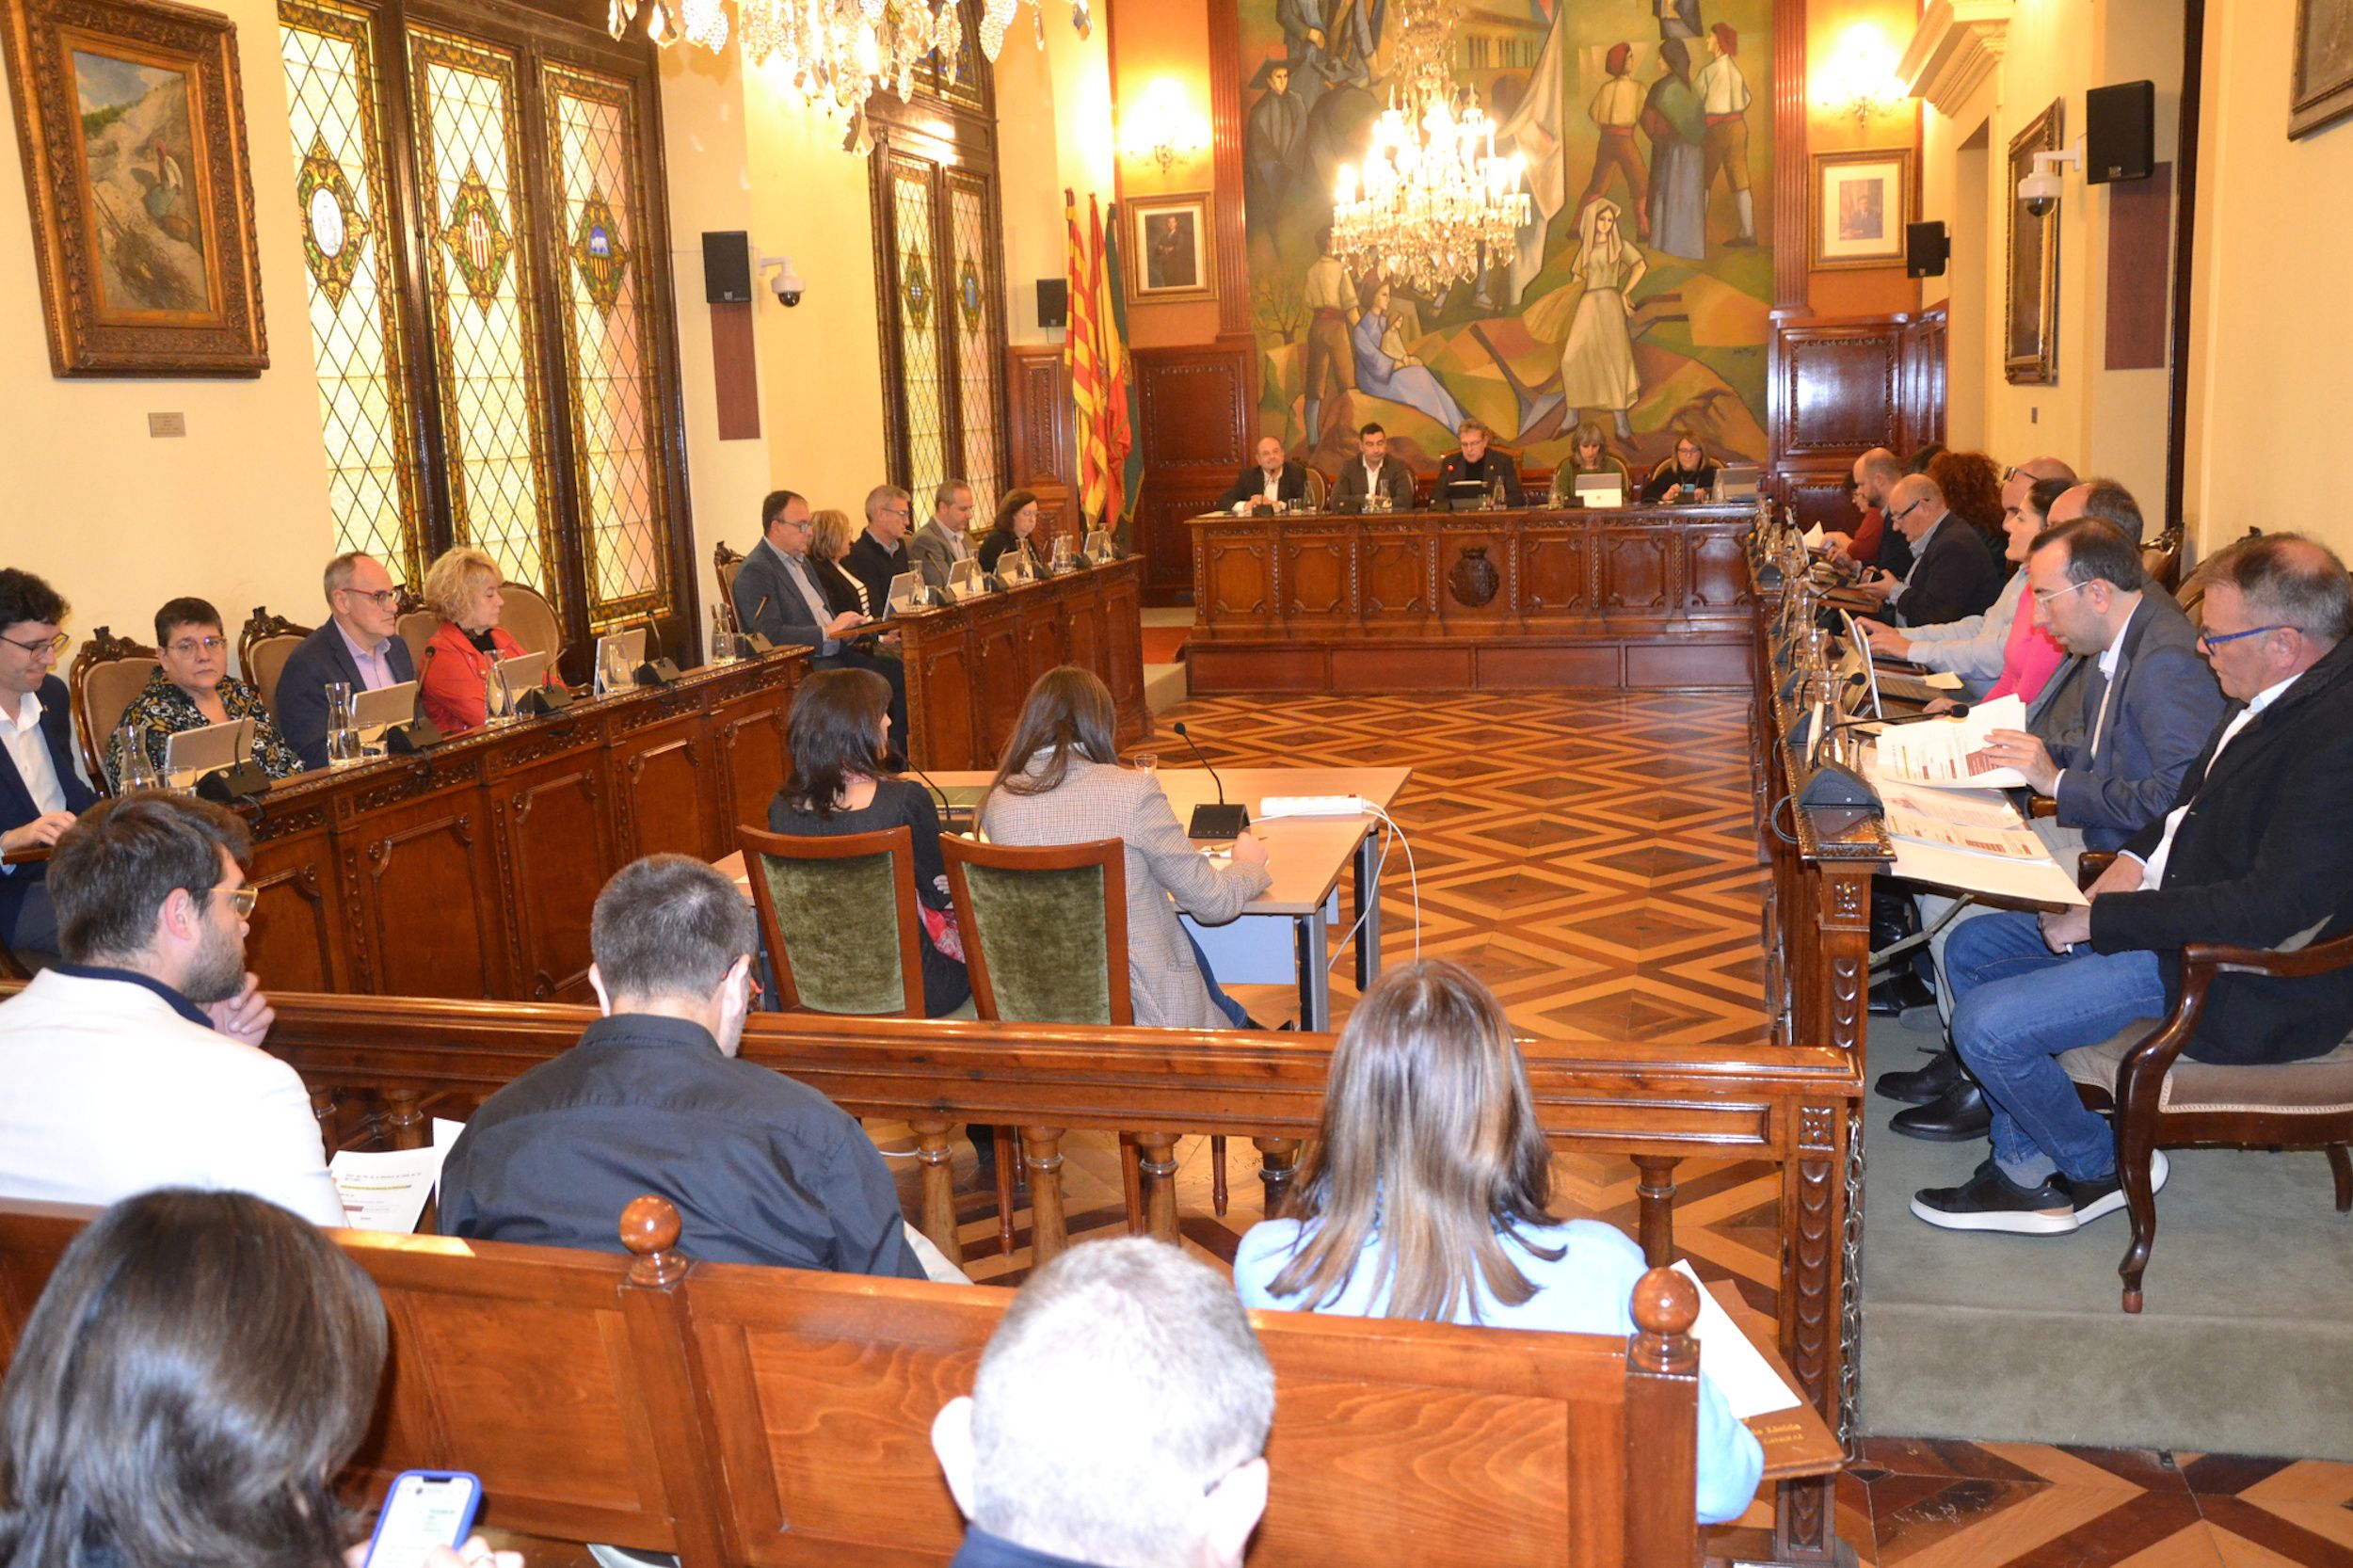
462,587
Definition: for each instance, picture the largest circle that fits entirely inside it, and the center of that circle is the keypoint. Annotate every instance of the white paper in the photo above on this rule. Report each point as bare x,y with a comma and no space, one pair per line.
386,1191
1745,1379
2037,882
1814,538
1943,754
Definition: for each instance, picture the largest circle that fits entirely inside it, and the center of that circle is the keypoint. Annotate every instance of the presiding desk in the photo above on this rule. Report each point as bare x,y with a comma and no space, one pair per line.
970,664
1620,596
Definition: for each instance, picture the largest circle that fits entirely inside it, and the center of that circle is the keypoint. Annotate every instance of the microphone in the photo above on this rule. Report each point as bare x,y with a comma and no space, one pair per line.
946,812
1220,821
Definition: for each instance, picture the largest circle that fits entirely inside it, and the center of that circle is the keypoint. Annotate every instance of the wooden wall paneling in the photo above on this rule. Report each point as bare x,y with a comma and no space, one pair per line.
295,942
1226,137
747,731
1474,569
1552,579
1636,568
2140,225
1920,403
1834,386
1715,571
940,672
736,371
1819,495
1082,621
999,683
1123,651
666,790
1158,532
1234,576
1194,429
1039,419
1316,573
551,812
1045,634
1792,247
1399,567
421,878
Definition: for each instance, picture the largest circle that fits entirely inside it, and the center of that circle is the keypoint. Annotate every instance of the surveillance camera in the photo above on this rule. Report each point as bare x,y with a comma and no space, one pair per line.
786,283
2039,191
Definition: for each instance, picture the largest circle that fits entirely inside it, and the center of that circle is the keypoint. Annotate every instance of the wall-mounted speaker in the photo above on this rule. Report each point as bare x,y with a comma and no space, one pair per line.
2120,132
1926,250
727,268
1053,303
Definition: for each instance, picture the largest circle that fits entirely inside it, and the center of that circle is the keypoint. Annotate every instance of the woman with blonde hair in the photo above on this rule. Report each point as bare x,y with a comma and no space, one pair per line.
463,588
829,540
1427,1195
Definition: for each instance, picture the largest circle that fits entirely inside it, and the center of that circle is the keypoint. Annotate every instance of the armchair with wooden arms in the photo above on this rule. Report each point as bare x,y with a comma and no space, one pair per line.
108,673
726,561
415,627
532,621
263,647
2161,1101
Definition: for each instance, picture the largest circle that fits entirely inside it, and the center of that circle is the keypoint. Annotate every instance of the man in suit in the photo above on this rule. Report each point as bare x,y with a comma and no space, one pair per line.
136,1063
1374,473
1273,477
1951,575
41,795
1480,463
880,553
360,646
776,595
652,1099
945,538
2255,852
2148,704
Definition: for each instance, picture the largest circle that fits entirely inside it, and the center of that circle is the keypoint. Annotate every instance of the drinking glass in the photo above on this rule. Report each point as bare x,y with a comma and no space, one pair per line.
139,767
343,736
1148,761
724,649
498,700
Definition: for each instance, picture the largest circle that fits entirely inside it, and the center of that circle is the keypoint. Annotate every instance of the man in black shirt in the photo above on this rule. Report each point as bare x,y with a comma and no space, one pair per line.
762,1170
880,553
1479,464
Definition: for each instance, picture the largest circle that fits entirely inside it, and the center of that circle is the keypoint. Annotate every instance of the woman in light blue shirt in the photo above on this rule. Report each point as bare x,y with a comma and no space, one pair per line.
1428,1195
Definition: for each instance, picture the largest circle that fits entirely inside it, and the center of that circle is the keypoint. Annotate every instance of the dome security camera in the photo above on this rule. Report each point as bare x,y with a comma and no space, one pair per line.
783,282
2039,191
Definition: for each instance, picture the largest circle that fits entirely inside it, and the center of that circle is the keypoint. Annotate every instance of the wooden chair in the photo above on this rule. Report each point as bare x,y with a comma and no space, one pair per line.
531,620
2161,558
107,672
2161,1101
416,627
263,647
1318,488
726,561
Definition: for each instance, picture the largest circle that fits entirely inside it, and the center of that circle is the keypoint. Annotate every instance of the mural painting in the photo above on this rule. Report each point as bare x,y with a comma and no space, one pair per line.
1637,297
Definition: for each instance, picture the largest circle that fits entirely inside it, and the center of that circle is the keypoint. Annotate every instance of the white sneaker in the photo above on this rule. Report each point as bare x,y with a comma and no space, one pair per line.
2106,1197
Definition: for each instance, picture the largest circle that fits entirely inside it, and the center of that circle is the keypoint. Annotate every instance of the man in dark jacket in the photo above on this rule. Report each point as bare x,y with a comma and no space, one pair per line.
2255,852
360,646
41,795
652,1099
1952,575
1479,463
1273,477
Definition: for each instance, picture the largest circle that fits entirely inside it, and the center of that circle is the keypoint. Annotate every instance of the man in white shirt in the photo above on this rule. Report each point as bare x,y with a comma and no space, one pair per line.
2256,852
39,793
1375,472
136,1063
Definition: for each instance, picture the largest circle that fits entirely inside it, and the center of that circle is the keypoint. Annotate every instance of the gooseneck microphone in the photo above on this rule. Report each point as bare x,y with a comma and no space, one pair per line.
1220,821
946,812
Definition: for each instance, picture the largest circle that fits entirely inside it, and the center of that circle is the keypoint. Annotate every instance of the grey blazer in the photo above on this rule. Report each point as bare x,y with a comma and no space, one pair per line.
2163,707
768,601
1397,483
1099,801
931,552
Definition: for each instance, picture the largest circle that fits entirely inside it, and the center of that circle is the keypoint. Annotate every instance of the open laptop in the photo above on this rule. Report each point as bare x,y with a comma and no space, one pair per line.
373,712
628,645
1100,546
1600,490
526,670
1738,481
902,594
190,754
966,580
1464,495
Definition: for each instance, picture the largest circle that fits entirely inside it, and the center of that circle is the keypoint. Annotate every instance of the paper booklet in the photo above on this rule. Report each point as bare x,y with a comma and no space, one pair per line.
1959,820
2043,882
1948,754
386,1190
1745,1379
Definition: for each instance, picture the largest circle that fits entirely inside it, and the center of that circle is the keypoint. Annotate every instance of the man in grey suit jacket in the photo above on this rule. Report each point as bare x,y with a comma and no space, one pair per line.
360,646
1374,473
945,538
777,596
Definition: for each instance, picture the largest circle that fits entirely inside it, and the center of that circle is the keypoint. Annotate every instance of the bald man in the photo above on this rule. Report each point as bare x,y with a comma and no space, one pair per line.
1952,575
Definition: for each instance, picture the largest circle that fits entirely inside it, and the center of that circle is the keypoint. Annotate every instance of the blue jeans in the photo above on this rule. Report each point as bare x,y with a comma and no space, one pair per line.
1225,1004
2016,1006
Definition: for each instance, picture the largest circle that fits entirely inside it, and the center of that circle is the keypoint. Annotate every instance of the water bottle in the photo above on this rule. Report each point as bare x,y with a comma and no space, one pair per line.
498,701
343,735
723,645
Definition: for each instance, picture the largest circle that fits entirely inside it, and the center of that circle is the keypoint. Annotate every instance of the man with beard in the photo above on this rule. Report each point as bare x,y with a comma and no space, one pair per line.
138,1063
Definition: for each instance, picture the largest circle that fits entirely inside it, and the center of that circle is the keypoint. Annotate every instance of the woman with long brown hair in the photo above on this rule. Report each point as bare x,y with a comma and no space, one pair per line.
1060,782
1427,1195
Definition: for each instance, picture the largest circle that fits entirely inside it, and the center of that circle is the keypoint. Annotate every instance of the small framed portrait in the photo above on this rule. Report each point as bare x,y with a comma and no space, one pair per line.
1168,244
132,125
1862,202
2030,277
2321,90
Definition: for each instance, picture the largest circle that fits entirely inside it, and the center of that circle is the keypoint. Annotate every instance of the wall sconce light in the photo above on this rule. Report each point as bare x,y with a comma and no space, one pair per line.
1859,77
1163,127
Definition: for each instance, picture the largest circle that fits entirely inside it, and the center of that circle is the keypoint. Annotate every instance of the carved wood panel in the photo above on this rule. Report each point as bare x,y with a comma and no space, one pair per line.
1045,636
1474,577
296,940
1636,568
1195,434
1123,652
555,850
1555,571
1397,568
999,677
1920,406
1039,412
1157,530
1716,570
1237,575
1821,496
749,735
425,886
1314,575
940,669
667,793
1835,386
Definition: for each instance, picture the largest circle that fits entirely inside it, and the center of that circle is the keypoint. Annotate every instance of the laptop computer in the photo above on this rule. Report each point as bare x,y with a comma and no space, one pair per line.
966,580
1738,481
1600,490
901,595
1100,546
373,711
190,754
1463,494
526,670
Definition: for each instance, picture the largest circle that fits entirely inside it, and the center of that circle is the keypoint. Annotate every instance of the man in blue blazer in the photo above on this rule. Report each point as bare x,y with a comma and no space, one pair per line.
360,646
41,795
777,596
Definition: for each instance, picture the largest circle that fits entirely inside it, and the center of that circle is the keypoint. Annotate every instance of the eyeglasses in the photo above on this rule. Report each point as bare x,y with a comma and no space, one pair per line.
2045,599
55,644
2210,641
1902,513
385,598
186,645
242,899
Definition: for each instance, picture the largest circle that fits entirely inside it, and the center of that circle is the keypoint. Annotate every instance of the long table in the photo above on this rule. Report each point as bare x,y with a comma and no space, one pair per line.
1622,597
970,664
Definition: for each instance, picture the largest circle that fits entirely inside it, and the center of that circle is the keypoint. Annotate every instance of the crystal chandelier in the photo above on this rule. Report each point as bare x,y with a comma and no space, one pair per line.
1431,193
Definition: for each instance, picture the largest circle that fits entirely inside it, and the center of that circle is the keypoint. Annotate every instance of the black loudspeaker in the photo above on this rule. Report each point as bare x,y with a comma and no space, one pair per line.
1926,250
2120,132
1053,303
727,268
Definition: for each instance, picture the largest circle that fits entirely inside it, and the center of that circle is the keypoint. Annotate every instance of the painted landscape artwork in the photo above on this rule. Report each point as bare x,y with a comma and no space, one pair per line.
1637,298
140,166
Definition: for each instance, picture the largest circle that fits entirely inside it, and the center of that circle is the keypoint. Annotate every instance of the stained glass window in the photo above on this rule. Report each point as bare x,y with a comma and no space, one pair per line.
921,310
977,303
592,135
468,159
373,482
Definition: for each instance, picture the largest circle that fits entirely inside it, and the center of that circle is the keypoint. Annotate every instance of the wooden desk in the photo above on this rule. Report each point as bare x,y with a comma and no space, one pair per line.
1625,597
970,665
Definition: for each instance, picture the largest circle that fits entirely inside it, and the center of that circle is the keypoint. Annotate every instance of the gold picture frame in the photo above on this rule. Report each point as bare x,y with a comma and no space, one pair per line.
1172,247
131,121
1862,200
2030,274
2320,83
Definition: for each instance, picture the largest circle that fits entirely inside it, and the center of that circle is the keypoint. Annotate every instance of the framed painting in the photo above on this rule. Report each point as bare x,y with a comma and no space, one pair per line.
2321,88
132,125
1862,202
1168,237
2030,279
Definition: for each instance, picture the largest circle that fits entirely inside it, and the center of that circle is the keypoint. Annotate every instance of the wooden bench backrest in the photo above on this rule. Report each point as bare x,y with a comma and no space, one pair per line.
772,1417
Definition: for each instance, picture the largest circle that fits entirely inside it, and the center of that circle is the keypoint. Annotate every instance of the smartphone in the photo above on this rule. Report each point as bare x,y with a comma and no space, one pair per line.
424,1509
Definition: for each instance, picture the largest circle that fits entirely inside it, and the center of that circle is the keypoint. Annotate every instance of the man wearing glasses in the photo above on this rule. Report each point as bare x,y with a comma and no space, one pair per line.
880,553
360,646
1952,574
2254,851
777,596
41,795
136,1063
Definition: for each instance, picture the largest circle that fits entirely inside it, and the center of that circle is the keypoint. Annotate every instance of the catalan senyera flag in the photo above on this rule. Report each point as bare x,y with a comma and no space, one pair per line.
1080,351
1110,362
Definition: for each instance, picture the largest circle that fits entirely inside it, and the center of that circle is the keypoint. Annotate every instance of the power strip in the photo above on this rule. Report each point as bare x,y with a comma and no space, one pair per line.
1311,806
